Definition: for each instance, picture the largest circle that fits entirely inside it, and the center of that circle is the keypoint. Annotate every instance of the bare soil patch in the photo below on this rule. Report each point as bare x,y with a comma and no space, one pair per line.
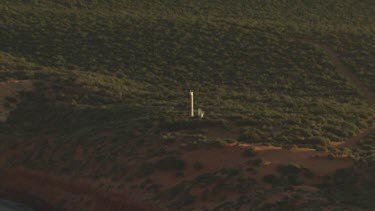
215,159
18,183
348,74
308,158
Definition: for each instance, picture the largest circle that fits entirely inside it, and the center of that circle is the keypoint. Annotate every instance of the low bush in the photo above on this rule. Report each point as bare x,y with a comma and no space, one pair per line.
290,169
270,178
145,169
231,171
175,125
10,99
171,163
258,161
252,170
205,179
172,192
250,151
318,141
183,200
198,165
293,180
287,147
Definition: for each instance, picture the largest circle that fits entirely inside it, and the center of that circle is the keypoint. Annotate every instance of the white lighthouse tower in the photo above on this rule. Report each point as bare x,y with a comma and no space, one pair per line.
192,103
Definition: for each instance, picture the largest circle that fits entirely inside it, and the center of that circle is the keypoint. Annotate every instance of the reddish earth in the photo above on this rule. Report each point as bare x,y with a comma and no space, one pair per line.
308,158
43,192
215,159
358,137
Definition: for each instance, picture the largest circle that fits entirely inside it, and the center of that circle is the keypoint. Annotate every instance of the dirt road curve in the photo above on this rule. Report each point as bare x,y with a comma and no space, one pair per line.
347,73
358,137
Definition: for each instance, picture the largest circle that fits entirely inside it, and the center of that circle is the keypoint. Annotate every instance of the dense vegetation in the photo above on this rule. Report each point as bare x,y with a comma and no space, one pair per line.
114,75
231,67
355,185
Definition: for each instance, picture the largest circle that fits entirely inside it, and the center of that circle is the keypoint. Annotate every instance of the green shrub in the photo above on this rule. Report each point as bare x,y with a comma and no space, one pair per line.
258,161
198,165
231,171
321,148
145,169
10,99
294,180
59,205
317,140
270,178
172,192
252,170
205,179
191,124
249,151
183,200
179,174
171,163
287,147
290,169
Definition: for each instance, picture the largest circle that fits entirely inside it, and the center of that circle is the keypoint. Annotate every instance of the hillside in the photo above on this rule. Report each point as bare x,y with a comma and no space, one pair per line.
287,88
